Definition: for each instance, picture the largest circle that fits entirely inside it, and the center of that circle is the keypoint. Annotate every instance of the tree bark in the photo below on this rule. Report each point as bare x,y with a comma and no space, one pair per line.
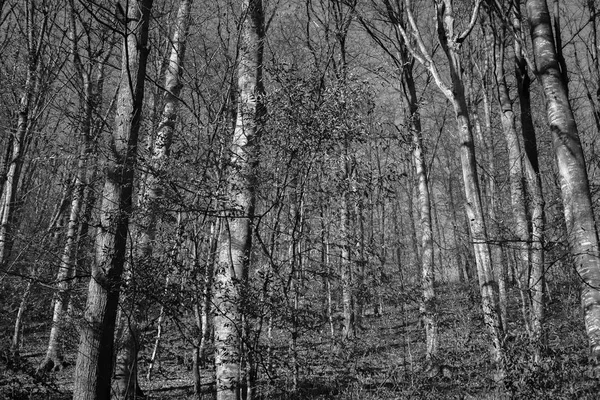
126,368
531,281
236,231
582,235
474,206
95,356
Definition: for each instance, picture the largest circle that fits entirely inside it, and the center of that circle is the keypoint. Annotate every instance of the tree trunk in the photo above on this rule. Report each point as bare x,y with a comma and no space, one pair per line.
8,195
428,305
95,355
236,231
474,207
348,311
515,155
125,373
499,266
18,329
534,279
53,359
206,306
582,235
88,101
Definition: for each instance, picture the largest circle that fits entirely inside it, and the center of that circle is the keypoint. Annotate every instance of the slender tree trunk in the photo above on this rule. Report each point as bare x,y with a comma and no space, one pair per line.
126,368
206,309
236,231
474,207
532,277
582,235
88,103
53,359
95,356
159,331
8,195
498,261
428,305
346,273
515,155
15,347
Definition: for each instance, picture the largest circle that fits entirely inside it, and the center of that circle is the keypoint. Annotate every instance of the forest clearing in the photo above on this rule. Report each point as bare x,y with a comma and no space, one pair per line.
303,199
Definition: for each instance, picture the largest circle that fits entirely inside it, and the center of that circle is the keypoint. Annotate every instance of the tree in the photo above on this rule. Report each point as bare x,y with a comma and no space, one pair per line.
95,355
36,35
405,63
90,78
126,368
451,43
582,235
236,232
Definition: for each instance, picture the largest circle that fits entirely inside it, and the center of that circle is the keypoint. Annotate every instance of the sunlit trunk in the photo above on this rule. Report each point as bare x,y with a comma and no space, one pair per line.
236,231
582,235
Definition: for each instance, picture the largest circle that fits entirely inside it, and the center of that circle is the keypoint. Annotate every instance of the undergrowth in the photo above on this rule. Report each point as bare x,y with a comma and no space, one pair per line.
385,361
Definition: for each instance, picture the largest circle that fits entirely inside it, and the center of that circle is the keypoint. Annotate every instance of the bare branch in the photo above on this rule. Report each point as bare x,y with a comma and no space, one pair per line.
467,31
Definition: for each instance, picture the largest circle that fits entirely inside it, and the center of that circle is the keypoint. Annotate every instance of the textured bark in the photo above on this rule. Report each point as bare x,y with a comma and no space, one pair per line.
126,368
236,231
582,235
531,282
95,355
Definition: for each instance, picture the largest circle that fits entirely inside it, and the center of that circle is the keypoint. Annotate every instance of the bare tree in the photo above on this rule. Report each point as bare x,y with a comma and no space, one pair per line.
153,191
451,43
36,36
95,355
236,233
394,47
582,234
90,78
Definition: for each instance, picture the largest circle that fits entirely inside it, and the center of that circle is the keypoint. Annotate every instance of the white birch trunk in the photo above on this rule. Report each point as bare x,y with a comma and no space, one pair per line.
236,231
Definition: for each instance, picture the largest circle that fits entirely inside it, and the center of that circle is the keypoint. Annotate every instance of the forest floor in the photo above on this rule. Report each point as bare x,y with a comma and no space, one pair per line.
385,362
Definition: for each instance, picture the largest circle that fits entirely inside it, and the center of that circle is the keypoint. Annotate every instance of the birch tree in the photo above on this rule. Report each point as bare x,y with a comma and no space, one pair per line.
582,235
402,59
237,224
126,369
89,81
36,36
453,88
95,355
